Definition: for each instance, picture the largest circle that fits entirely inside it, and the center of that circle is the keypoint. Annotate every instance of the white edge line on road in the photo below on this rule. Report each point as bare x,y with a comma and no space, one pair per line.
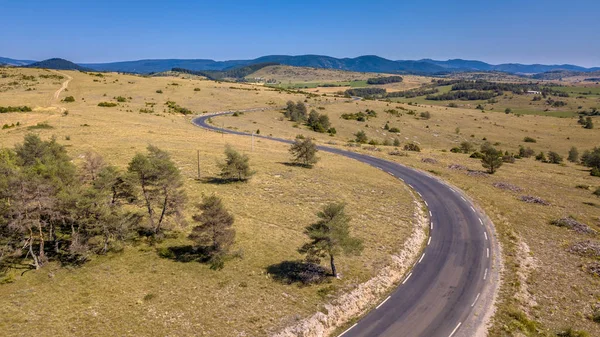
350,328
476,298
463,199
380,304
429,241
488,253
432,225
421,259
406,279
426,204
420,194
391,174
485,274
481,222
430,214
411,186
454,331
485,234
473,209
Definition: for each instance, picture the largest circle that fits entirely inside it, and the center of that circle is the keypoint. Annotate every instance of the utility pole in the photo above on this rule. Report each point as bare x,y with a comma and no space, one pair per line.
198,152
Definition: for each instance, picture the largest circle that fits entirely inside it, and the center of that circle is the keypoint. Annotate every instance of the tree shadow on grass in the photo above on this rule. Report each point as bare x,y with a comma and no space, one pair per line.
221,181
304,273
185,253
308,166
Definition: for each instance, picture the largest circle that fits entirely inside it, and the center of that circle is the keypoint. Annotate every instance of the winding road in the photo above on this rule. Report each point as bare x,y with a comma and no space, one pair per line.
450,289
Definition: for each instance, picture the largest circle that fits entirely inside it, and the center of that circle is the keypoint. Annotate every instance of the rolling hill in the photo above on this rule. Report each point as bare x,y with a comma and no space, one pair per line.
58,64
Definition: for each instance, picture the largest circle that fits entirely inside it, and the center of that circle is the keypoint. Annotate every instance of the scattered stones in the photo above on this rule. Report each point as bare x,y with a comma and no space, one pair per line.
534,200
398,153
429,160
573,224
507,186
458,167
586,248
476,173
594,269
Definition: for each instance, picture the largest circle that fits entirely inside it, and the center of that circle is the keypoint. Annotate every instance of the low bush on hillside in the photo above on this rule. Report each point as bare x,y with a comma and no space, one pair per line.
69,99
107,104
7,109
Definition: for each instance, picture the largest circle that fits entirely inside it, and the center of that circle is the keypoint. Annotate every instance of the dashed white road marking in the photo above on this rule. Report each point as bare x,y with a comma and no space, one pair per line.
350,328
380,304
476,298
402,180
420,194
473,209
421,259
430,214
488,253
485,274
406,279
431,225
426,204
485,234
391,174
411,186
481,222
454,331
463,199
429,241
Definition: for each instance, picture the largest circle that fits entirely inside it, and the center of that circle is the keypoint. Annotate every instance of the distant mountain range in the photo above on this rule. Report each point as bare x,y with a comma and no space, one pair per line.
368,63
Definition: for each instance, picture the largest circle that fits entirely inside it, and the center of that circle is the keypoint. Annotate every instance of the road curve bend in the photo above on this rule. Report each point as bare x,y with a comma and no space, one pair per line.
443,293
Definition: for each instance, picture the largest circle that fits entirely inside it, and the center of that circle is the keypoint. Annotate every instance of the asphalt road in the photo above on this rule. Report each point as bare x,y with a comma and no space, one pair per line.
439,293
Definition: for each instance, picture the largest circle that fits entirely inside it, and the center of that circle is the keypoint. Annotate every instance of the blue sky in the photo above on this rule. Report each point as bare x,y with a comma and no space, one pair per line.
493,31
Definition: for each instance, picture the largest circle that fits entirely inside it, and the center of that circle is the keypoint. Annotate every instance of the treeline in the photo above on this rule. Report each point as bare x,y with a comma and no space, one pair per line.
385,80
235,73
366,92
463,96
6,109
53,210
413,93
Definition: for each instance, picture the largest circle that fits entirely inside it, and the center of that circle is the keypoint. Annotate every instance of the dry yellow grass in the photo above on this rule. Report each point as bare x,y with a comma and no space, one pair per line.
286,74
563,291
136,292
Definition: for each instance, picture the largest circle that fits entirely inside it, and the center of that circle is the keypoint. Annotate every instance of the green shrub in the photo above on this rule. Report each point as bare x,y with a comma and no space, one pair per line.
529,140
40,126
120,99
107,104
69,99
412,147
159,91
14,109
476,155
394,130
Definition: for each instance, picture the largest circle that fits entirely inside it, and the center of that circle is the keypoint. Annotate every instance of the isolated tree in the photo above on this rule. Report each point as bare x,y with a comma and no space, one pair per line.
492,158
330,236
589,124
236,166
361,137
215,225
466,147
304,152
573,155
161,185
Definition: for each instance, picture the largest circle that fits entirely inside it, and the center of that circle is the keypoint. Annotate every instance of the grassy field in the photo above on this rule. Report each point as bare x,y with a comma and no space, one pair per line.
546,288
138,293
580,100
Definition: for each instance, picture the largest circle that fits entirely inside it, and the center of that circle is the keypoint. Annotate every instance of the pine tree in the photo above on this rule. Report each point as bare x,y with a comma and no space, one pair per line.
304,152
330,236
